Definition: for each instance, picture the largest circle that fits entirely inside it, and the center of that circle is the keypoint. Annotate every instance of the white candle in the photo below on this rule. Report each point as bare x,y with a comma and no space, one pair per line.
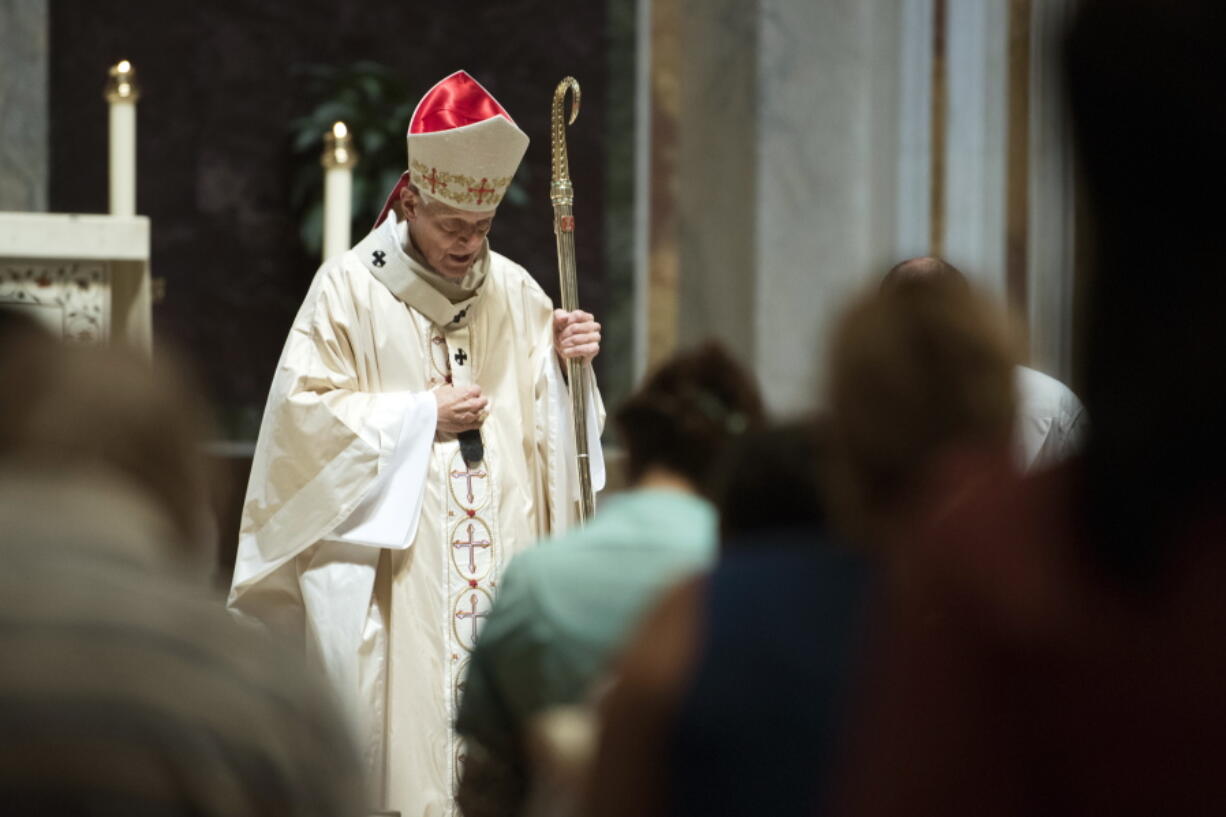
338,192
122,93
338,161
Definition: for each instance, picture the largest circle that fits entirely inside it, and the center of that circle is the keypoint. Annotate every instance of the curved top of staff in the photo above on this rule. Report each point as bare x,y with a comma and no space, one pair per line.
561,191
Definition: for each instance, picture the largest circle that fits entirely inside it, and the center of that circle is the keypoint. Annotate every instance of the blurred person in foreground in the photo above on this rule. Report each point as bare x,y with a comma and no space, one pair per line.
125,686
1050,424
768,481
1078,665
731,698
564,608
921,388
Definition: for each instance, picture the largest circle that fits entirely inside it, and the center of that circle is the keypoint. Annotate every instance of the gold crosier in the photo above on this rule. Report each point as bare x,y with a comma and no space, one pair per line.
562,194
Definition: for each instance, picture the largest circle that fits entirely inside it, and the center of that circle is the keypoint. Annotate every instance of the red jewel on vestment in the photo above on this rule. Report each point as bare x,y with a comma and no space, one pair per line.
471,512
472,583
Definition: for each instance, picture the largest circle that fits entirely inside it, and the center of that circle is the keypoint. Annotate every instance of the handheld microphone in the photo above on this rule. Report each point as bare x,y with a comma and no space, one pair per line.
472,449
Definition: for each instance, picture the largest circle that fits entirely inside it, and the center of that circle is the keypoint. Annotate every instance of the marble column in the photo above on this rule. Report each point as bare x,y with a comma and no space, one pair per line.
803,138
1051,253
717,171
913,226
827,178
23,105
976,139
787,177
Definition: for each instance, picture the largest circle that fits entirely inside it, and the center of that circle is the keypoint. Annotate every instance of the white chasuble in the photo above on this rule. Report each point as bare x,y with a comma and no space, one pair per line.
365,534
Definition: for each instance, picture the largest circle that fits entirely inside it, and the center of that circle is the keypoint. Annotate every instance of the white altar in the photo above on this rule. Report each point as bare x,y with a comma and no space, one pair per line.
84,277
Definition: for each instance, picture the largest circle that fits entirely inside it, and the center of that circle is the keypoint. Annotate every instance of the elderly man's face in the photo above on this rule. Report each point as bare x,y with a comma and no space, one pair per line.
448,238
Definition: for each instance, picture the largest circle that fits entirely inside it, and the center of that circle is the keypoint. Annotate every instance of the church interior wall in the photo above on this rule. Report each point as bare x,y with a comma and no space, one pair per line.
827,168
801,150
717,174
976,140
788,182
221,90
836,107
23,105
1052,237
913,221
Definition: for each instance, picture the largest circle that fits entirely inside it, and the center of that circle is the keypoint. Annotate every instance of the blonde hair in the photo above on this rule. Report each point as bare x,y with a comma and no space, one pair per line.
914,371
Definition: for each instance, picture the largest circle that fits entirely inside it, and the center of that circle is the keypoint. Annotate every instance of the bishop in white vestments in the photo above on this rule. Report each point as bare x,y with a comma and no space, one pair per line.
417,435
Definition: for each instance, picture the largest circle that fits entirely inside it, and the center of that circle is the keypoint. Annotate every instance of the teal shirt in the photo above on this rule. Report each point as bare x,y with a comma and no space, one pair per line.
565,607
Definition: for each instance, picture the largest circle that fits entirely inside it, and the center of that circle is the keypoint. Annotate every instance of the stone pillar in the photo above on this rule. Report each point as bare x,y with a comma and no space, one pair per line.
717,169
787,176
807,162
23,105
1051,254
976,140
827,178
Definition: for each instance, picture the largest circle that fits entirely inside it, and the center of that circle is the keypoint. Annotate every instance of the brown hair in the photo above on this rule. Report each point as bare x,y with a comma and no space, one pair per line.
769,480
913,371
686,412
67,407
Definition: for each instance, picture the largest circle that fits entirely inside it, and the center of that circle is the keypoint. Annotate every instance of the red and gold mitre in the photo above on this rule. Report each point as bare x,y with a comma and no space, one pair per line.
464,147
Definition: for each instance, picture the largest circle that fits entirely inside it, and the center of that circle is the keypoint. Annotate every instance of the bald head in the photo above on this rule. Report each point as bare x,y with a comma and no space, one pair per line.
926,272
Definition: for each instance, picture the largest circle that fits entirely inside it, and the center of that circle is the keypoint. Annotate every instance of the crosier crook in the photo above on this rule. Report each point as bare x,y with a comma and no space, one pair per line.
562,194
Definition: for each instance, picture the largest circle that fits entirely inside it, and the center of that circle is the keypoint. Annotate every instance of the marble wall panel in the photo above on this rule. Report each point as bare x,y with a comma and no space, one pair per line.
827,162
788,176
807,170
1052,234
23,105
717,173
915,58
976,141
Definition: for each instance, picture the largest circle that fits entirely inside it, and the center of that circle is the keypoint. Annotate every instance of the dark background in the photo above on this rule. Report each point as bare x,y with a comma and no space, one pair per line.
220,90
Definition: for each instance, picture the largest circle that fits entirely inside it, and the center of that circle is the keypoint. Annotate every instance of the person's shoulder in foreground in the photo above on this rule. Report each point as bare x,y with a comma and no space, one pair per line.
731,696
565,604
126,685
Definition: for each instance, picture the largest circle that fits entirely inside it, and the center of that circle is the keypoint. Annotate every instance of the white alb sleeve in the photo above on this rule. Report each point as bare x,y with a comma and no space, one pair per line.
387,516
559,400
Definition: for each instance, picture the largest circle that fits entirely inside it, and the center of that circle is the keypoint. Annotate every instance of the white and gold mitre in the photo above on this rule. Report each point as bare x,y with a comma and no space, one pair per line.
464,147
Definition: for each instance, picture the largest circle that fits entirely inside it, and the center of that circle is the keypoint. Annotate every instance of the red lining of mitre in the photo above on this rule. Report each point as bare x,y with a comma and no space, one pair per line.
391,198
455,102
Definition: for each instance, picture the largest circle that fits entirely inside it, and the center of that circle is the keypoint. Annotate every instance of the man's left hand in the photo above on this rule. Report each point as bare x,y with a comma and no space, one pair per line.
575,335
